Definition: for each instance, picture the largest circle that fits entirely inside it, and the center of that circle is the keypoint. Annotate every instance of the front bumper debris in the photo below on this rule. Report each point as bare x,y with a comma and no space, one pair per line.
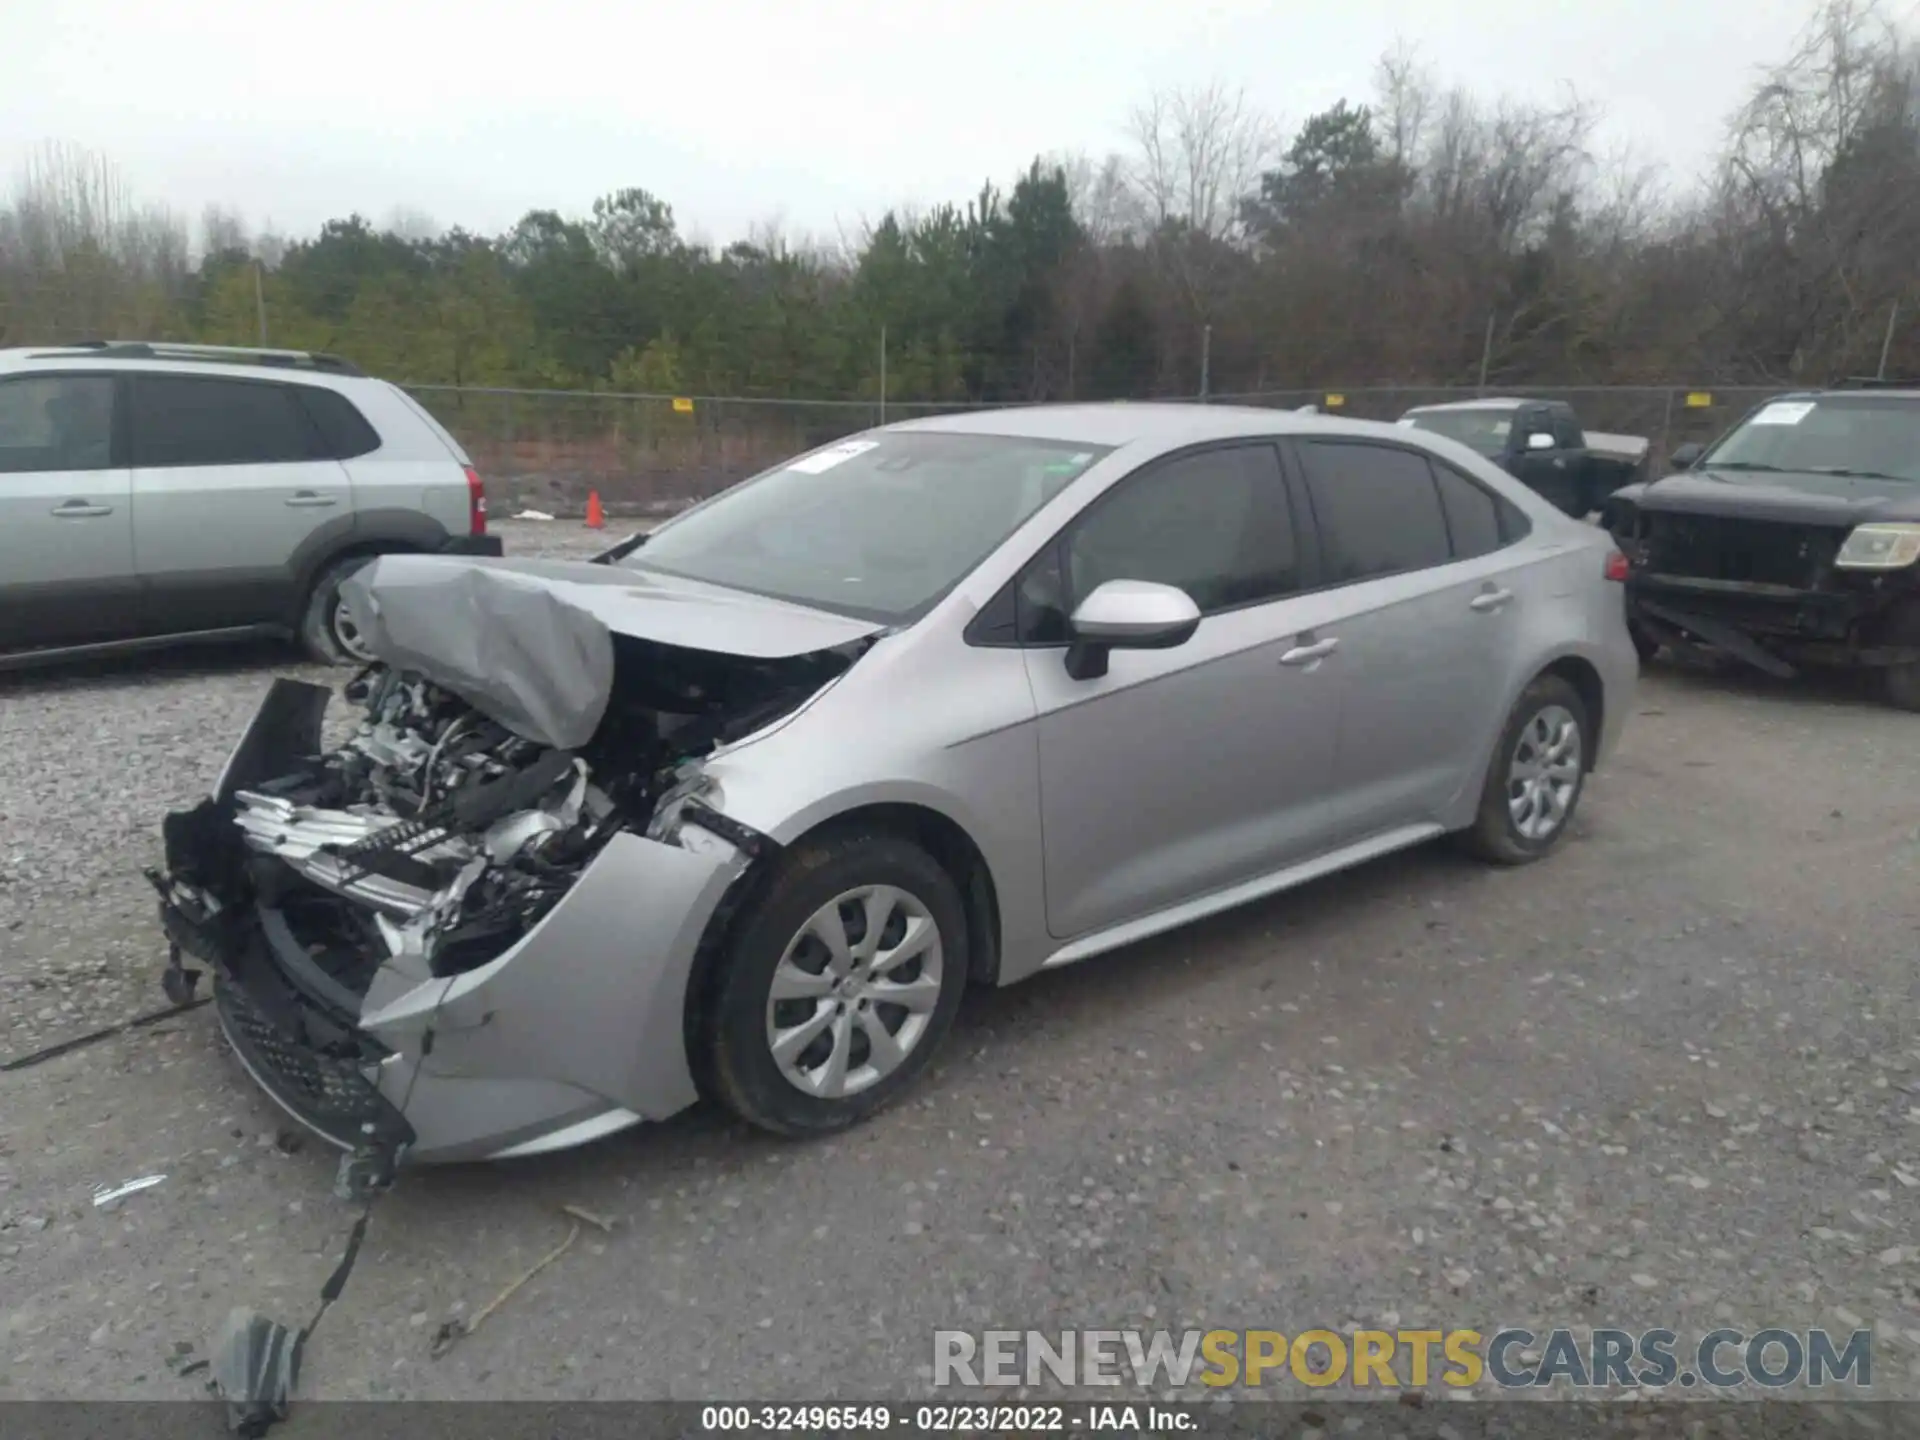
1774,628
309,1056
574,1030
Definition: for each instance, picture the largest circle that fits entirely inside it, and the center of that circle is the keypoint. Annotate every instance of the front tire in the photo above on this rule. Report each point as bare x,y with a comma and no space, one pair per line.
1538,772
328,632
837,987
1900,684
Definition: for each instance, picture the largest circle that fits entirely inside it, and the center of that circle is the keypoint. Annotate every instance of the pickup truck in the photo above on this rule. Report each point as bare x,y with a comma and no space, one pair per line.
1541,444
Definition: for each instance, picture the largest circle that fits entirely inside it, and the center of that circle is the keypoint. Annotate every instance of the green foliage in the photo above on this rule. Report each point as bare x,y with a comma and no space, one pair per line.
1374,251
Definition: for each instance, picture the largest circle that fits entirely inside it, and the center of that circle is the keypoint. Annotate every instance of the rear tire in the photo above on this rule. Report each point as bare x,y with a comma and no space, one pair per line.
327,633
1644,645
1537,776
902,928
1901,686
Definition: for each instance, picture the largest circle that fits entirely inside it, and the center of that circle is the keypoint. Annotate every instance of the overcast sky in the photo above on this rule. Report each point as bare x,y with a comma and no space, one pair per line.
814,112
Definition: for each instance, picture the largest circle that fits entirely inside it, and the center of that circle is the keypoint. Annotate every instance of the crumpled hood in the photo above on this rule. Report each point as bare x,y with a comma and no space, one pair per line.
530,642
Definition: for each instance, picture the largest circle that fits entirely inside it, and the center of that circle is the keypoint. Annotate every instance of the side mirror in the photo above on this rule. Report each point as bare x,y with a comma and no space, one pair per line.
1539,440
1686,456
1127,615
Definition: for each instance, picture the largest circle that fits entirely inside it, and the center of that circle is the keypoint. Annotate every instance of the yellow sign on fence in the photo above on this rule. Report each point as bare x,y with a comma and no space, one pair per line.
1699,400
1334,402
682,405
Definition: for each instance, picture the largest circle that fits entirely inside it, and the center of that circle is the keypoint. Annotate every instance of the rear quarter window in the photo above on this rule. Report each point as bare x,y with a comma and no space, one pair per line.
1473,513
344,431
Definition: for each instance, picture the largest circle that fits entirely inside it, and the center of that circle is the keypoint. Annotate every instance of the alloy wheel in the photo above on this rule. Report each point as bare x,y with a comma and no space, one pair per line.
854,991
1544,774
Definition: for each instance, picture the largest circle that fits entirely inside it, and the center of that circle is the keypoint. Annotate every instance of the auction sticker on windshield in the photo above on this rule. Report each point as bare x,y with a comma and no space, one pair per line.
823,460
1784,412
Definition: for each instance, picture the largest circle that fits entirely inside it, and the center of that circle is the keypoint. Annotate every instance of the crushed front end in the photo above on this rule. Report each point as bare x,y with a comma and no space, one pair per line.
444,940
1773,591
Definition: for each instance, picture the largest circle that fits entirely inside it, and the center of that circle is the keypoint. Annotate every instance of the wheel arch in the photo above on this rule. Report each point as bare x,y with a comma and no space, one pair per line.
363,535
1585,678
954,850
939,834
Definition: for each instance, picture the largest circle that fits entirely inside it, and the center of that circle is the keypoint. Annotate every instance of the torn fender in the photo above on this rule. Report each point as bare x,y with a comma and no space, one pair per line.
530,642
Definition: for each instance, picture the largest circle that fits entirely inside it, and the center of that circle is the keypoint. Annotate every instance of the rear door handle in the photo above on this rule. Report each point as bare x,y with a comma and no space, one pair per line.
308,498
1490,599
1307,654
80,509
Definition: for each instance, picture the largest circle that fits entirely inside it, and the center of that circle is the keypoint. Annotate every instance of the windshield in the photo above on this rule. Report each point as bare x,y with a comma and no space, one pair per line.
879,526
1878,438
1482,430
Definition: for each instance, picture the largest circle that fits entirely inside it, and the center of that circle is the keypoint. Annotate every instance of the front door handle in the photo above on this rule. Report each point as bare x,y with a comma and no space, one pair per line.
1488,600
1307,654
307,498
80,509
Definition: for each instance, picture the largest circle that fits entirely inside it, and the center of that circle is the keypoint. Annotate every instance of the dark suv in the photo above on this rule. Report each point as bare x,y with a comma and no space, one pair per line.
1791,541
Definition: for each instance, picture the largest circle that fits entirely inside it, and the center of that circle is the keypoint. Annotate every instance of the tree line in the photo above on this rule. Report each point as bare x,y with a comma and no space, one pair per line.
1419,234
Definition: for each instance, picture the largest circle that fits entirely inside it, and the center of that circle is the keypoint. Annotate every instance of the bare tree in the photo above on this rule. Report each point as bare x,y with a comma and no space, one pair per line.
270,246
1405,101
1198,153
1820,184
1099,193
410,223
223,231
78,255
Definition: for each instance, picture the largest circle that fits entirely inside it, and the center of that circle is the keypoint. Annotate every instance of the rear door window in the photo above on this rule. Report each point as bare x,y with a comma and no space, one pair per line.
56,422
181,420
1377,508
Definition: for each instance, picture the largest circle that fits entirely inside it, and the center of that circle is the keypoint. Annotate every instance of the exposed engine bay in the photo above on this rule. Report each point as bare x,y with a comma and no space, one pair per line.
436,837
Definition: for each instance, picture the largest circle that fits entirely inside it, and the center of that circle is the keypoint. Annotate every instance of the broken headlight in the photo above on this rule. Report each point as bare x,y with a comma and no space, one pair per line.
691,784
1885,546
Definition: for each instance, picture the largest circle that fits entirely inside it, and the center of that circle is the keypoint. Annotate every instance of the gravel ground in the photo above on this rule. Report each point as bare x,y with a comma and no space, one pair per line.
1669,1077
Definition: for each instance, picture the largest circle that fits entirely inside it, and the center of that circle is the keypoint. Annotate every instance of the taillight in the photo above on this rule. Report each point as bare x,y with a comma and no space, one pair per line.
476,503
1616,565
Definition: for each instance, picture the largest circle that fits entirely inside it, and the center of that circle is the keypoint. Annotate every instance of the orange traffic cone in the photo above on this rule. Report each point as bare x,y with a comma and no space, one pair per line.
596,518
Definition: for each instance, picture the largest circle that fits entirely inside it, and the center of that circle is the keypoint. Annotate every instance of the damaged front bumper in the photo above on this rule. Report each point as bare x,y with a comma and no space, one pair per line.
574,1031
1774,628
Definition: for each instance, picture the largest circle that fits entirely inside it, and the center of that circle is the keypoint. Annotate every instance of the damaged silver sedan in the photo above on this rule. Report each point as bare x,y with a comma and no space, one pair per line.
739,809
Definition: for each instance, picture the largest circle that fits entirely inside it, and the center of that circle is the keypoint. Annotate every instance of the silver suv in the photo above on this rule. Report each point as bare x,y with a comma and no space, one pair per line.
152,493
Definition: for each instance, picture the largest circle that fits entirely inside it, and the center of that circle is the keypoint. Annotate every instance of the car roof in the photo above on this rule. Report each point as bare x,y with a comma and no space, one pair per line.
1491,402
1123,422
225,361
1851,392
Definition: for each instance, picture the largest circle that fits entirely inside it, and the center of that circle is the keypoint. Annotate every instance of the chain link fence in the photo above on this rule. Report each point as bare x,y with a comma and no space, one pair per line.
548,449
1666,416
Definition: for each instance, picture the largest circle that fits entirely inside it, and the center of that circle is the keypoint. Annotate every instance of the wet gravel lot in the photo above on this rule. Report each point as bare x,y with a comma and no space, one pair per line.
1670,1077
